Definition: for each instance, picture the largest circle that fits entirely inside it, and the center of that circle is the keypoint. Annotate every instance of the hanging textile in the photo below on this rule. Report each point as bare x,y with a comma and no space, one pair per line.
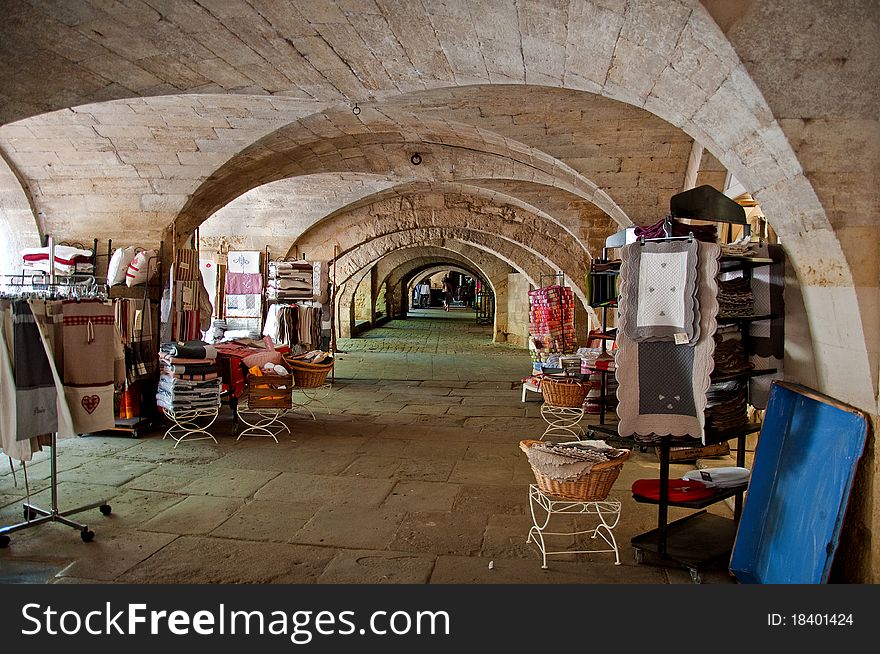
243,276
35,395
767,336
665,384
94,361
24,327
660,300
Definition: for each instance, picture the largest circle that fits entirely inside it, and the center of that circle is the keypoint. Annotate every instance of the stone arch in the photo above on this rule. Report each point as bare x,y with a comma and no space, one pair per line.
18,221
464,255
452,212
381,142
318,234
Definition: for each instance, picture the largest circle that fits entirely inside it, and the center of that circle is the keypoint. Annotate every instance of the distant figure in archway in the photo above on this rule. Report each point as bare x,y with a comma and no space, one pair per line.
424,294
447,293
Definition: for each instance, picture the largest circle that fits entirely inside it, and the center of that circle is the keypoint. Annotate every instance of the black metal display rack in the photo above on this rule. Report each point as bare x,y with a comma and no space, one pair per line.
700,539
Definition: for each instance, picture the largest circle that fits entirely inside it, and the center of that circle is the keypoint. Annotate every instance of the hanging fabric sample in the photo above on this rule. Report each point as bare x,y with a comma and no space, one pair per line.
766,336
662,386
36,395
94,361
243,276
660,291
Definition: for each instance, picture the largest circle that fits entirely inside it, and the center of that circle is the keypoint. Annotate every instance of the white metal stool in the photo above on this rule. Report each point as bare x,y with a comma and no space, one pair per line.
186,424
262,422
314,395
543,506
562,421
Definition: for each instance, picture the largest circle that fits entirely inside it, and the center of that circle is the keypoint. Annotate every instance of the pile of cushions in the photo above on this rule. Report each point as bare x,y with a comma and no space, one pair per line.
131,266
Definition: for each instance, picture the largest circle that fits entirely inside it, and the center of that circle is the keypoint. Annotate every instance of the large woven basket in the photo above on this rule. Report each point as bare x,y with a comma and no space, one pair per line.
592,487
308,375
564,392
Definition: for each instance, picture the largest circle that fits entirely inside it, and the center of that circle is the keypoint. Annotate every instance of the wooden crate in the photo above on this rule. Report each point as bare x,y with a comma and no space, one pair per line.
270,392
693,453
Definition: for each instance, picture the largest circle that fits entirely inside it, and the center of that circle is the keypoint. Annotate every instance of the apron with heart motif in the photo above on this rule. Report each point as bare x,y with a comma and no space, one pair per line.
92,347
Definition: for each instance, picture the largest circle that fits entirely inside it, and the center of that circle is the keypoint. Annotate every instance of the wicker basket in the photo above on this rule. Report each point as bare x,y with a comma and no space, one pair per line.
592,487
564,391
308,375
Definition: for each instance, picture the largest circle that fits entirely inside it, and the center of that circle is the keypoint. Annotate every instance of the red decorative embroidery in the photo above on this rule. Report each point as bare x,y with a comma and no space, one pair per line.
90,403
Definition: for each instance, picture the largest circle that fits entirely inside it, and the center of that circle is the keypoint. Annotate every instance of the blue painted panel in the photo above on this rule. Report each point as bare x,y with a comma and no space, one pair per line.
801,480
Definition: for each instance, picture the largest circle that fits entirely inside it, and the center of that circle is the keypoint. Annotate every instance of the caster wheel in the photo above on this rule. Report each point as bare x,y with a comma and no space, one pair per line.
4,541
643,449
639,556
105,509
134,434
87,535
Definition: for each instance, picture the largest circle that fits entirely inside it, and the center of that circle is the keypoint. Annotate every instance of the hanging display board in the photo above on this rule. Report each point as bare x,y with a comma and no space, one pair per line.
803,473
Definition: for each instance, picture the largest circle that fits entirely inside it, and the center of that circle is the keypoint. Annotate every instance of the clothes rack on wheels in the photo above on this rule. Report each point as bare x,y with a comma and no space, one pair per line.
46,285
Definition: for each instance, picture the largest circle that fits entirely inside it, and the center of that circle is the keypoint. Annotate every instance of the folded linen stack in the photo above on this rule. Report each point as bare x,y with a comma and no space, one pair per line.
735,298
726,405
729,477
291,280
705,233
68,260
189,379
730,355
551,320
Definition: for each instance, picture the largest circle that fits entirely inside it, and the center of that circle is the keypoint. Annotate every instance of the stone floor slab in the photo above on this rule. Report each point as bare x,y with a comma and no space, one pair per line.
109,471
156,450
351,527
154,481
440,532
422,469
193,515
422,496
29,572
324,490
491,500
97,445
223,561
481,411
375,467
266,521
228,482
131,508
434,448
482,472
425,409
505,538
371,567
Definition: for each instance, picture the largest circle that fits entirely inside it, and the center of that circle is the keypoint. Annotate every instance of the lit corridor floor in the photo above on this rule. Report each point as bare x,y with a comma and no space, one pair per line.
431,344
409,473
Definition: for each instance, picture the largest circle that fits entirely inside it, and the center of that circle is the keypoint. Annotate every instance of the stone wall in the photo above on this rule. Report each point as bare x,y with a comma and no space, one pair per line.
517,310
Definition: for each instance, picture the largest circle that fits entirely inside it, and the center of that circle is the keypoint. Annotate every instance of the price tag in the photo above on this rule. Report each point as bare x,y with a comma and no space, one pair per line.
681,339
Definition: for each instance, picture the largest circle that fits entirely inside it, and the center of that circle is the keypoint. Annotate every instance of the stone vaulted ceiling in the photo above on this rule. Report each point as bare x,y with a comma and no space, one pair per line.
121,118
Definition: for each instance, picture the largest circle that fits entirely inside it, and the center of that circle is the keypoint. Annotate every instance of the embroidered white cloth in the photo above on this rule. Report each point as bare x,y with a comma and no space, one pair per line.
662,386
241,261
661,299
